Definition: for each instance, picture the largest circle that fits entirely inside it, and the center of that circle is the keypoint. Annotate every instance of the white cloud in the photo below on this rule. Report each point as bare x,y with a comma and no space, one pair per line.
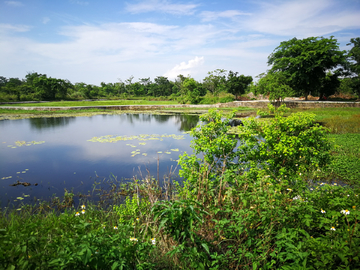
303,18
162,6
229,14
45,20
14,3
5,27
185,68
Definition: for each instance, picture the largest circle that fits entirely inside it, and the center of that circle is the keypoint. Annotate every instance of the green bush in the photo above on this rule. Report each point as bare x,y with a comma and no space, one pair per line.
261,204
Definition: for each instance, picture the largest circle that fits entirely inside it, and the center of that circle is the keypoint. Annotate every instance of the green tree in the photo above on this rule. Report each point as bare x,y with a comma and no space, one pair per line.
162,86
274,85
354,57
216,81
190,91
329,85
50,88
305,62
237,85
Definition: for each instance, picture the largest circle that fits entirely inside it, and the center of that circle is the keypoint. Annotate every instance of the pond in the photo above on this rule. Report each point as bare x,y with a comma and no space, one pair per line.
57,153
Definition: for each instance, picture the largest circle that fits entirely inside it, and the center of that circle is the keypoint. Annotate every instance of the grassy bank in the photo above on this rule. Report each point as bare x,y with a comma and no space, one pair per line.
91,103
226,216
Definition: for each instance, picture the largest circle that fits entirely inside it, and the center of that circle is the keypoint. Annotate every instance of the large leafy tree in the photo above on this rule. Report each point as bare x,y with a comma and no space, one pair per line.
354,57
237,84
305,62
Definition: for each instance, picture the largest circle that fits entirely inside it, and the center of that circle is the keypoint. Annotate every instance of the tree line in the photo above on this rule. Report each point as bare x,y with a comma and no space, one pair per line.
37,86
298,67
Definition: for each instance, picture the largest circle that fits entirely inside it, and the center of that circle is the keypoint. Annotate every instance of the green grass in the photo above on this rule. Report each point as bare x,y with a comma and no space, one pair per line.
322,114
345,163
91,103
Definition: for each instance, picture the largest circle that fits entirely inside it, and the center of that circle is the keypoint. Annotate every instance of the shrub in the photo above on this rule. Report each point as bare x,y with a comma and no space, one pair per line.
252,205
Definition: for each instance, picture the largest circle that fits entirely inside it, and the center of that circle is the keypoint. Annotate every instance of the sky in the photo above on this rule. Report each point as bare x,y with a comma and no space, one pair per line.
107,41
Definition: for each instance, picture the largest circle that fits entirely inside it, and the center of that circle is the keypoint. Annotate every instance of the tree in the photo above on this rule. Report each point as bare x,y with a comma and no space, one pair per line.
216,81
237,85
49,88
305,62
354,57
190,91
329,85
162,86
274,85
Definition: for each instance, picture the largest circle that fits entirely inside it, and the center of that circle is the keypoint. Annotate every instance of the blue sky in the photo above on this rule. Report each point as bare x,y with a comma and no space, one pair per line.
104,41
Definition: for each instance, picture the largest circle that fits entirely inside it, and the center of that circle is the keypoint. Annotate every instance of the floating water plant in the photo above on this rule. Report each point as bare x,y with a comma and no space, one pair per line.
141,137
22,143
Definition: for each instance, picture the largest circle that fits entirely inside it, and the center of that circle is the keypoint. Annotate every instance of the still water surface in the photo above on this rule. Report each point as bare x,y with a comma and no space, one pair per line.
69,152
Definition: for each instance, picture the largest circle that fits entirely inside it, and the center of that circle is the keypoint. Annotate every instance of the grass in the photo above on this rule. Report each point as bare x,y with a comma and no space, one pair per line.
345,163
323,114
91,103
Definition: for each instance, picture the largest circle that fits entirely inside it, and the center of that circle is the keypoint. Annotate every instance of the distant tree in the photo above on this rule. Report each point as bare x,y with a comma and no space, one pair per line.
215,82
129,85
3,81
275,86
190,88
145,86
162,86
30,76
305,62
49,88
237,85
329,85
354,57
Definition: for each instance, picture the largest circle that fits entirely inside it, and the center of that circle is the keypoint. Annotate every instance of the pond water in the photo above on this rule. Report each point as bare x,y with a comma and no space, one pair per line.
71,152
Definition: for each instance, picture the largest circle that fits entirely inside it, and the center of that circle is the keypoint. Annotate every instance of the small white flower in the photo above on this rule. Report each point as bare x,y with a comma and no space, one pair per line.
289,189
153,241
133,239
345,212
115,227
333,228
83,206
323,211
298,197
77,214
299,173
83,211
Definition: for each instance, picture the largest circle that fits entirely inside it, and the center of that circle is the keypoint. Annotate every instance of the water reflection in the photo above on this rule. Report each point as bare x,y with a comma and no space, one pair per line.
187,122
53,122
